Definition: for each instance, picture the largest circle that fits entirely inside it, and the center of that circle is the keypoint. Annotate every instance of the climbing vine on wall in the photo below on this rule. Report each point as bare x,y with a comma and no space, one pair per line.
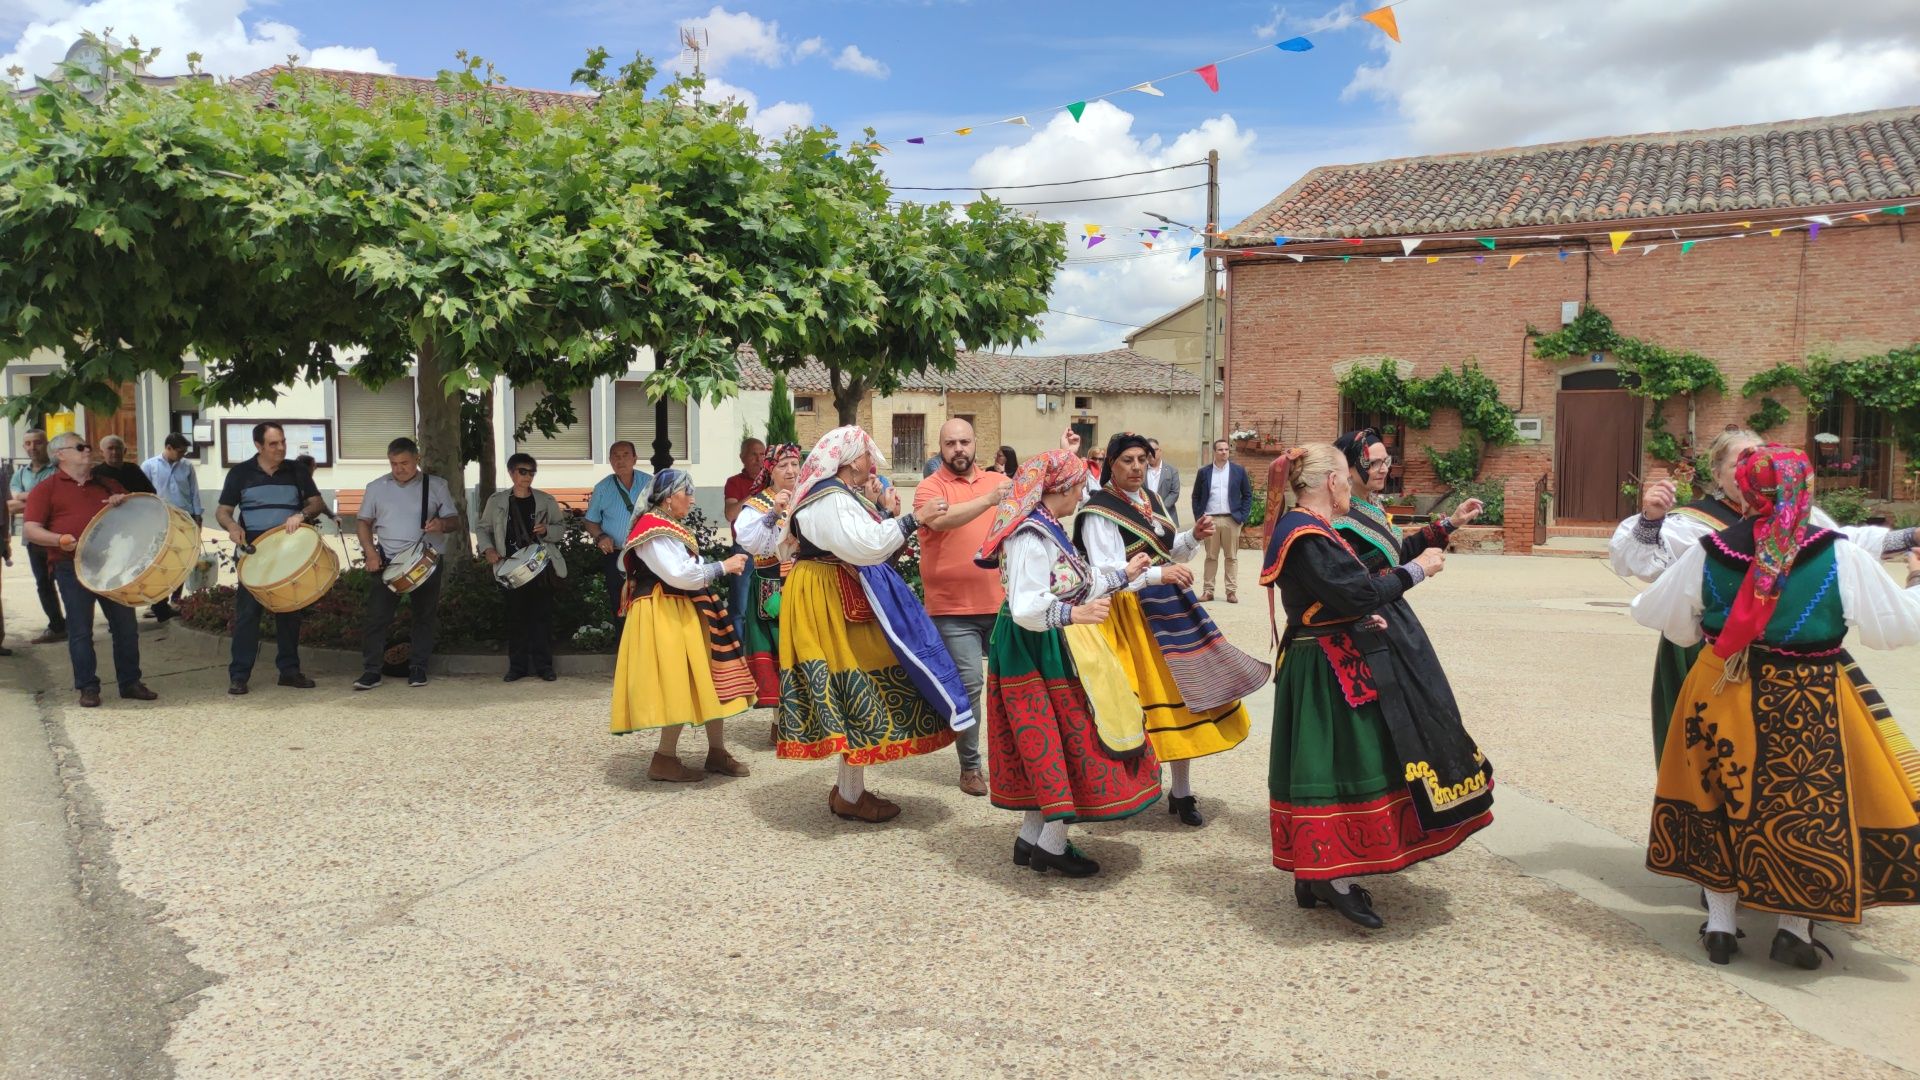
1662,373
1486,420
1889,381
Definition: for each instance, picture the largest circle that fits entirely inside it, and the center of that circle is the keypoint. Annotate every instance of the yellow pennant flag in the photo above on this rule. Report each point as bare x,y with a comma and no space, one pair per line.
1512,259
1383,18
1619,238
963,131
1773,232
1431,259
1746,224
1093,230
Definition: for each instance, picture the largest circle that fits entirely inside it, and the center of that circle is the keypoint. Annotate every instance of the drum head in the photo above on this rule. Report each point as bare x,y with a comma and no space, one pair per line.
278,555
122,543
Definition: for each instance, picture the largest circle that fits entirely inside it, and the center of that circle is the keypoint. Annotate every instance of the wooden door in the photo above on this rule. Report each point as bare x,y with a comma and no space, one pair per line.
1596,448
124,422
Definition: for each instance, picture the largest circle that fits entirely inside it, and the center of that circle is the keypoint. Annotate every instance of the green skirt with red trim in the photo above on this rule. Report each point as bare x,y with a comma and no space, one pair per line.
761,637
1044,752
1340,802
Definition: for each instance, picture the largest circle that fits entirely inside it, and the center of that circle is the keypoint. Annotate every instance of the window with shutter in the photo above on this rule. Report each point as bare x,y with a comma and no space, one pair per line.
370,419
909,447
633,417
572,443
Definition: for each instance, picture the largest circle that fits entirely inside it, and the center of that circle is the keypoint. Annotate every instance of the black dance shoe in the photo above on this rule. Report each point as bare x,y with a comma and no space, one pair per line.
1788,949
1022,852
1721,945
1184,807
1355,905
1069,862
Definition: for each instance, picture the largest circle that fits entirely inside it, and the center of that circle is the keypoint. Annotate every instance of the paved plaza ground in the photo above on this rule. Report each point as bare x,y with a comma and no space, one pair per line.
475,879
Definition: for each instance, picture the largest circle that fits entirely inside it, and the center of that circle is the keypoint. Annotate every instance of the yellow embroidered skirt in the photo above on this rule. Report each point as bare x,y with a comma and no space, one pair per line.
1794,789
842,691
1177,732
678,664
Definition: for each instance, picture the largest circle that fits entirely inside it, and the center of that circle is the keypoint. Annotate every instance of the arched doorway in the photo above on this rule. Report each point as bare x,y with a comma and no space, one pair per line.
1596,445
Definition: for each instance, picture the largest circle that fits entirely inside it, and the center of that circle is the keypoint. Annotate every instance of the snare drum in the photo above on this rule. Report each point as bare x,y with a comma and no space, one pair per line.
137,552
410,567
289,570
522,566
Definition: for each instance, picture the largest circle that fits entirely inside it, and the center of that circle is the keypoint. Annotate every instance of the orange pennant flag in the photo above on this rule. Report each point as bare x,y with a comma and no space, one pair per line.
1619,238
1383,18
1859,217
1512,259
1431,259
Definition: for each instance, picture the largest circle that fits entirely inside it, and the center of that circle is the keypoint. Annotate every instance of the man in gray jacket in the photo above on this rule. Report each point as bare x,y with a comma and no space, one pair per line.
518,518
1163,481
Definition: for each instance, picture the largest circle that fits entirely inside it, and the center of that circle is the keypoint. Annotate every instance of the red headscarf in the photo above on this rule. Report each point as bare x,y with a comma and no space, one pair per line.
1776,483
1049,473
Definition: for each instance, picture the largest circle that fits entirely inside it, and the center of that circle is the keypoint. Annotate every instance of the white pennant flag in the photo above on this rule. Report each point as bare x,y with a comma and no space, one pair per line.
1821,218
1020,120
1648,250
1149,88
1297,258
1407,246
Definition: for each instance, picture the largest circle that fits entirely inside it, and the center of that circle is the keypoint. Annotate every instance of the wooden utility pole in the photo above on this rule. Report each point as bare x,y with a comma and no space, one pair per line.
1210,308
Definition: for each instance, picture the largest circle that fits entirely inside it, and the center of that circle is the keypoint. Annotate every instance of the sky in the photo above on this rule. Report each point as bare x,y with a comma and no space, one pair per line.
1466,75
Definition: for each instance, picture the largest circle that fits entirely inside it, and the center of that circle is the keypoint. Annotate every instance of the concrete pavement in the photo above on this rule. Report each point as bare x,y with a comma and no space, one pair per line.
475,879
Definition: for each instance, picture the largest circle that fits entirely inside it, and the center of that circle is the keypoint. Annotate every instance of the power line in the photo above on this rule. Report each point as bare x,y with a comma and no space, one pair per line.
1104,198
1050,183
1111,322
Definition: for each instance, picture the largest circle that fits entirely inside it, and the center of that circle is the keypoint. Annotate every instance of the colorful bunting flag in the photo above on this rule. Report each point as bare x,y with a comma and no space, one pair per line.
1813,231
1093,230
963,131
1773,232
1297,258
1746,224
1407,246
1479,258
1485,242
1896,211
1076,109
1279,241
1346,258
1294,44
1209,74
918,140
1092,240
1019,121
1431,259
1820,219
1563,254
1513,260
1191,253
1619,238
1149,88
1687,246
1648,250
1383,18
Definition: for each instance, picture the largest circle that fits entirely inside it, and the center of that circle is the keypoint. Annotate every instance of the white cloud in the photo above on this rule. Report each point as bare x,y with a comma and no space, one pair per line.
738,35
813,46
1475,76
852,59
214,28
773,120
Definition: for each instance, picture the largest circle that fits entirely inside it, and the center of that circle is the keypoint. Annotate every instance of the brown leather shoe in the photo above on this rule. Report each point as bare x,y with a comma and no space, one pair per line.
667,767
48,637
1207,597
973,782
138,692
1232,599
90,699
719,761
298,680
869,807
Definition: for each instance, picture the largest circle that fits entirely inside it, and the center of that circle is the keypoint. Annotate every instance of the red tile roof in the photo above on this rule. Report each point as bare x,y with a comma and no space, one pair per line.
1116,371
1786,165
366,86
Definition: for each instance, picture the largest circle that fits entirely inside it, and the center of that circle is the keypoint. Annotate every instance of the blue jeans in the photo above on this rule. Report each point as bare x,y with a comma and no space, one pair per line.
121,626
966,638
246,637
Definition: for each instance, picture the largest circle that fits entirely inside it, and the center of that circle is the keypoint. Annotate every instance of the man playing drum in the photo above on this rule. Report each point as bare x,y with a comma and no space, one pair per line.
263,493
58,510
515,520
404,508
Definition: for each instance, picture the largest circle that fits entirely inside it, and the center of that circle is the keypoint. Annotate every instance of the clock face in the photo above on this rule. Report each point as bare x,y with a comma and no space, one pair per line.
91,58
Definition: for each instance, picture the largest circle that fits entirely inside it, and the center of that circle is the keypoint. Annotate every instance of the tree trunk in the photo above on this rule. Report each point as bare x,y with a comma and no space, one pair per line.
440,429
847,393
489,454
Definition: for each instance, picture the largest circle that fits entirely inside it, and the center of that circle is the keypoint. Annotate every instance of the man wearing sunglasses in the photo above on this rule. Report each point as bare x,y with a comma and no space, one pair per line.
57,511
518,518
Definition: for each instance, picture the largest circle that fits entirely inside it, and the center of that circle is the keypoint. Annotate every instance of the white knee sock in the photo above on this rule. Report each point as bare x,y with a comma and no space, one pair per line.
1053,837
1180,786
1798,926
853,781
1030,823
1720,912
1341,885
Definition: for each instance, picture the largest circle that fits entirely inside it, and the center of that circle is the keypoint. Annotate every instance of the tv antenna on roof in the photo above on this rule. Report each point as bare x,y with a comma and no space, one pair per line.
694,40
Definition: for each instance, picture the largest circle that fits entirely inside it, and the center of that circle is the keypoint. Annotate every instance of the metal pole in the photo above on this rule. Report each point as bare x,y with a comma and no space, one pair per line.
1210,309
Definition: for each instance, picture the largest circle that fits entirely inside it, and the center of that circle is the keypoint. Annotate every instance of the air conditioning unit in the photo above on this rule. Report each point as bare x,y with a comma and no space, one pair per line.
1044,403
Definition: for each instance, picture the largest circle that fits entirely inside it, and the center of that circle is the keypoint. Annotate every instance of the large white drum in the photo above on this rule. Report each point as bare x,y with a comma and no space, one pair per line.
289,570
137,552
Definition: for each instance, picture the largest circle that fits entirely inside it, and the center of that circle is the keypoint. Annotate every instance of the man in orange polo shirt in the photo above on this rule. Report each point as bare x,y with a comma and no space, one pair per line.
963,599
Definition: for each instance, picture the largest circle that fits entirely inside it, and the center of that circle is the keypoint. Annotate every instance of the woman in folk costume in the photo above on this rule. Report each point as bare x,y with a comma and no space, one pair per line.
1649,542
1188,679
679,660
1066,734
1348,798
757,530
863,672
1785,784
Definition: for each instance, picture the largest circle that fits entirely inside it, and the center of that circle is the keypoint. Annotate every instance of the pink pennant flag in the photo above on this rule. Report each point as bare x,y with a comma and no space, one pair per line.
1209,74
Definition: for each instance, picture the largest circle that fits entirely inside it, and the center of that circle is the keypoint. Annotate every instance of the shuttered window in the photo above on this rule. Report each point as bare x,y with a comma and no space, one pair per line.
633,417
370,419
572,443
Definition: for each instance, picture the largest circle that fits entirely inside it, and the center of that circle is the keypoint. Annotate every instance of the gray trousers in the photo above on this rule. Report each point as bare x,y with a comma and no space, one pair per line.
966,638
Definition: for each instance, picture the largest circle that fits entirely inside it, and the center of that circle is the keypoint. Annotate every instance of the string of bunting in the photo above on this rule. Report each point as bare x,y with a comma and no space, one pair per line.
1381,18
1617,239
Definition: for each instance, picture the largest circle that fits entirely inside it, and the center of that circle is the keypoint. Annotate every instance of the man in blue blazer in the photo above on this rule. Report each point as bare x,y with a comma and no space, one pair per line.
1222,492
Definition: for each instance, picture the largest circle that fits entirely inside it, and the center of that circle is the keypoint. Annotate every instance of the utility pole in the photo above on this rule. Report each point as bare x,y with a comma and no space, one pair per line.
1210,308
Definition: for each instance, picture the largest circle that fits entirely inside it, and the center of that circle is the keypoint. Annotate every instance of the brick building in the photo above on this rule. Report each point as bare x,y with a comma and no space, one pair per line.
1410,259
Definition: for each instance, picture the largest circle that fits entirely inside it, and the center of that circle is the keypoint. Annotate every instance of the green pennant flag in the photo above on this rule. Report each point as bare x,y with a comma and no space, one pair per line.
1076,109
1346,258
1687,246
1896,211
1486,241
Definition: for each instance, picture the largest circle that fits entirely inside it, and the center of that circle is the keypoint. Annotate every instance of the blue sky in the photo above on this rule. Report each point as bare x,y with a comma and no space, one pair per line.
1468,75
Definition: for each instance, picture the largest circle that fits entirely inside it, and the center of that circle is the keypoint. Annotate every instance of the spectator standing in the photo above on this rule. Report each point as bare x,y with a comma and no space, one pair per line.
611,509
173,479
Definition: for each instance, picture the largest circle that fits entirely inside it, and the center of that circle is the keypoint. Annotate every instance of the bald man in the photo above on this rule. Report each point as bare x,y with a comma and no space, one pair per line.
963,599
117,467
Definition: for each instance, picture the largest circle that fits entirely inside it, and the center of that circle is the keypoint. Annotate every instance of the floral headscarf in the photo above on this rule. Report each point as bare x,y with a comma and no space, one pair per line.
1776,483
670,482
776,453
1043,474
835,448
